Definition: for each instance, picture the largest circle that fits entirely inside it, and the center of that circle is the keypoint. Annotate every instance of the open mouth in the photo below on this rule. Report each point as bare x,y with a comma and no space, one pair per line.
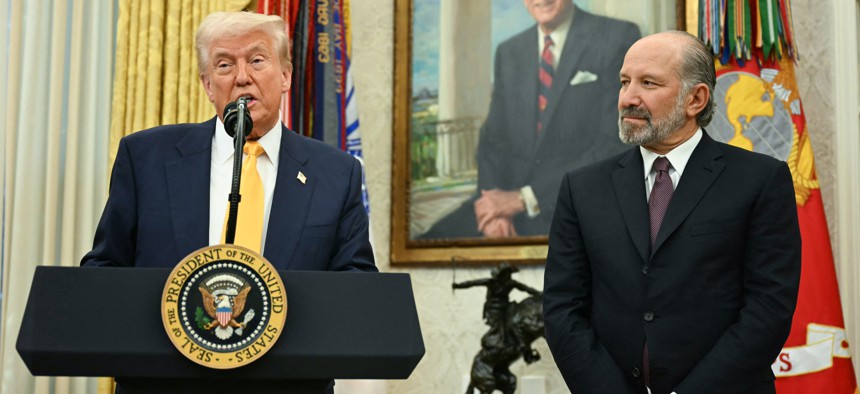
249,99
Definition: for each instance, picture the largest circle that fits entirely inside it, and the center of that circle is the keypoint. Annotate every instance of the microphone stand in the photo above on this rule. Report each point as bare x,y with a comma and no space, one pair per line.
235,197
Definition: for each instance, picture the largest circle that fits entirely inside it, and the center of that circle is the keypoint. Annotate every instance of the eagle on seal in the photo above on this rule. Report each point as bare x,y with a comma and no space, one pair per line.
223,312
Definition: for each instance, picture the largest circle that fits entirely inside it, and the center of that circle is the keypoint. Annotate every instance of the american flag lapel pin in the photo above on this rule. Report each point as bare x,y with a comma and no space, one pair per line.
302,178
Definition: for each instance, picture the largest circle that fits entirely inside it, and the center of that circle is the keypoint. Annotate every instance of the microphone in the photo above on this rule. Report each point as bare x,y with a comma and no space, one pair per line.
237,120
233,112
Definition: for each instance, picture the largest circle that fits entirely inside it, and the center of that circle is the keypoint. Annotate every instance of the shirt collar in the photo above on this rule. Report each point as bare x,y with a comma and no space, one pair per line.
678,157
559,35
222,144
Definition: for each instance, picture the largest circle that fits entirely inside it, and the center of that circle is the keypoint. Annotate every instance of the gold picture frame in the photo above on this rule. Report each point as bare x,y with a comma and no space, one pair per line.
405,249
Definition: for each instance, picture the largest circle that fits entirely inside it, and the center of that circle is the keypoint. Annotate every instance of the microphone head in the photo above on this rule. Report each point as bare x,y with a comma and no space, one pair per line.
231,119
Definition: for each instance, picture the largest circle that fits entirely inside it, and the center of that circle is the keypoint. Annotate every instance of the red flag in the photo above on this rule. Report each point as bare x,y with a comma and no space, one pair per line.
759,109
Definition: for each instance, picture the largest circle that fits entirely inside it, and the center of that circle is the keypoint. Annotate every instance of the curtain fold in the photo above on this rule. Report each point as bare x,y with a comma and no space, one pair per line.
69,93
56,95
156,80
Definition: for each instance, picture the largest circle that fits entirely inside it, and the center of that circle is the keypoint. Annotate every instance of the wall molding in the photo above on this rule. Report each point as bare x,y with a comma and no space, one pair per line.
846,99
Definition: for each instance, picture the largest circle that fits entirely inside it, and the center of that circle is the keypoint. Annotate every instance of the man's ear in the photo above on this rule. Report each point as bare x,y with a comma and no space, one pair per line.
697,99
207,86
287,82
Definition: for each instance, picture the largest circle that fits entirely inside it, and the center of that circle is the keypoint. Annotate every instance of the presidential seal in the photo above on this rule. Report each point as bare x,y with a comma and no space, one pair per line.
224,306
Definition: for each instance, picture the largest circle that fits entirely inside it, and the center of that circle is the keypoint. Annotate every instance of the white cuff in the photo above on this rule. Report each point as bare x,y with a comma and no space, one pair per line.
530,201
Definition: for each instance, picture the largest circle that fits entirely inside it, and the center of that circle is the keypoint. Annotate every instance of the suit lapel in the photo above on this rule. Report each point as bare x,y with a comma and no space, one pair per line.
526,127
629,182
188,187
699,174
290,201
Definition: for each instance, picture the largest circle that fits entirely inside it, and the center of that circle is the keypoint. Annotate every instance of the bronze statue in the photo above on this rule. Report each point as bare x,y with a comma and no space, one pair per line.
513,327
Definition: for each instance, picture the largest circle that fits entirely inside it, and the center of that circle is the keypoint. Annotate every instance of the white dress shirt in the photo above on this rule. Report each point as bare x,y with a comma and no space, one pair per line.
221,177
559,36
677,157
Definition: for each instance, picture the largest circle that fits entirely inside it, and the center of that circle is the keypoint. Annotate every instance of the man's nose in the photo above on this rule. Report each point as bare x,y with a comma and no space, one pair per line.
242,75
628,97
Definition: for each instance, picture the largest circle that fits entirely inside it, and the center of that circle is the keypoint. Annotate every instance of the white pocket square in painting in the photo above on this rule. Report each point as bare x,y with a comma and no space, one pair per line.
583,77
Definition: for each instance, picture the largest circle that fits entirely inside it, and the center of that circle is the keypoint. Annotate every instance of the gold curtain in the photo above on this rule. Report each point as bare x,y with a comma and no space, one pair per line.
692,16
156,80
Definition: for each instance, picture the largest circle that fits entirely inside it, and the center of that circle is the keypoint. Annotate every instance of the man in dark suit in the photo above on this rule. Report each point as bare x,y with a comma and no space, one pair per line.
550,113
169,186
672,267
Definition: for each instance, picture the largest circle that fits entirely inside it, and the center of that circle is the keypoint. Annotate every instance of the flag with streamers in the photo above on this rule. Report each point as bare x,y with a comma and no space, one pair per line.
321,103
759,109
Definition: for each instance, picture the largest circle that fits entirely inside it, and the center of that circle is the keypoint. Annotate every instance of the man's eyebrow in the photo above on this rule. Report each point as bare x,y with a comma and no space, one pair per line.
654,77
257,48
216,53
649,76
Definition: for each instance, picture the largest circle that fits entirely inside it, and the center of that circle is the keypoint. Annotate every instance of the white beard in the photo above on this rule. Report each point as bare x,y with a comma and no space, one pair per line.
655,129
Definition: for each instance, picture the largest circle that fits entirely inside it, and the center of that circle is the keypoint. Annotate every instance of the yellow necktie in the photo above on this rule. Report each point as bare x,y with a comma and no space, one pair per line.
249,223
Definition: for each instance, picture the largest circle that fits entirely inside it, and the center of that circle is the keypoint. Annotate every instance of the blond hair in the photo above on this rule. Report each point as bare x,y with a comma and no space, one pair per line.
222,25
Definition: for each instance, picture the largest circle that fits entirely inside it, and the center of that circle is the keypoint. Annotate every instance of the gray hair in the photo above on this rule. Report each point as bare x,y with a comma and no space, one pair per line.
220,25
697,66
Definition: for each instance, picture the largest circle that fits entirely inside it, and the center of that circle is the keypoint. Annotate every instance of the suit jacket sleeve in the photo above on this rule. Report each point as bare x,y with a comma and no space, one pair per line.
770,282
584,362
490,156
114,240
352,250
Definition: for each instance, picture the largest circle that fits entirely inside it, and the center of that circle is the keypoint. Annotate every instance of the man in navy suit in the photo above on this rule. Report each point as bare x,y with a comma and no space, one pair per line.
673,267
169,186
519,162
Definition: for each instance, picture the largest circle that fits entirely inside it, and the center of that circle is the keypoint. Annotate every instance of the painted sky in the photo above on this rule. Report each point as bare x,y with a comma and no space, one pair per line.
509,17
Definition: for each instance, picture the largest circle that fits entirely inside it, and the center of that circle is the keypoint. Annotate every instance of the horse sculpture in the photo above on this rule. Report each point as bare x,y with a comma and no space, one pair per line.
513,328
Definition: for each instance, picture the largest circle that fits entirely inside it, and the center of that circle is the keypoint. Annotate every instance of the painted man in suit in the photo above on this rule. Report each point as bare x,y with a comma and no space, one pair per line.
169,186
674,266
550,113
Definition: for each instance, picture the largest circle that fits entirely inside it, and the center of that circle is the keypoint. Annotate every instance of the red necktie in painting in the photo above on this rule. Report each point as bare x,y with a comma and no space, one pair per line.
545,75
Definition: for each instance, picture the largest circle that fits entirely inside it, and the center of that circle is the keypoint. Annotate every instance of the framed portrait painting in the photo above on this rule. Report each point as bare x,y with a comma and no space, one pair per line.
494,101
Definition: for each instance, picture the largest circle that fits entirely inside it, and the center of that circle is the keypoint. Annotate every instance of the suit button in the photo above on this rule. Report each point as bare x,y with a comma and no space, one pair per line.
644,270
648,316
635,372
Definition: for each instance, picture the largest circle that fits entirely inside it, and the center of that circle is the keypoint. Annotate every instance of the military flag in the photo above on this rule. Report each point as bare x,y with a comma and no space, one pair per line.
321,103
759,109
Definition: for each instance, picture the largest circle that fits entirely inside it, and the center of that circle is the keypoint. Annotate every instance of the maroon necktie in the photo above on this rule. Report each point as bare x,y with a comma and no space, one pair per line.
545,75
661,194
